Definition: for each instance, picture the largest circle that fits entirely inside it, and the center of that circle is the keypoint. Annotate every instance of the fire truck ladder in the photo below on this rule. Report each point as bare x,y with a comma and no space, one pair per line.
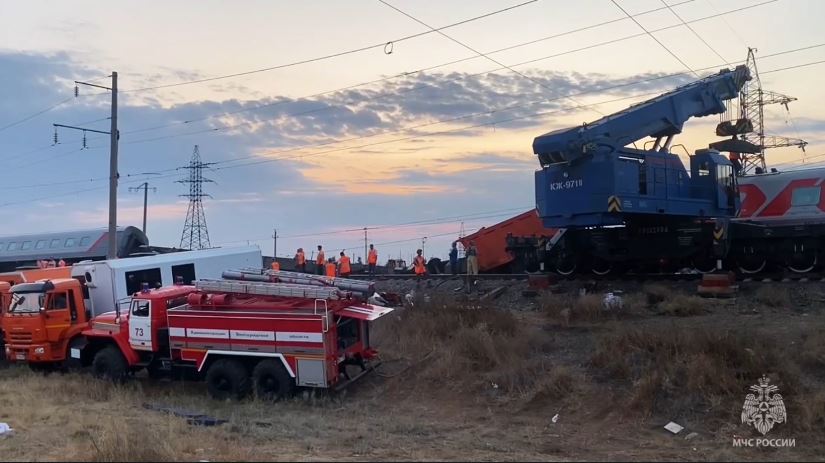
270,289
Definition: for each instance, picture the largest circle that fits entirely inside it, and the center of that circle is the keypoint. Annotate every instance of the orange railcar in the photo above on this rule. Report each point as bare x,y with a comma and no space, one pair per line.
491,241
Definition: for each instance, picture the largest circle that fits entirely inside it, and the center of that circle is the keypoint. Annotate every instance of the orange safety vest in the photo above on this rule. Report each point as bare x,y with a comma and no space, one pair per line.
300,258
373,257
420,263
331,270
345,267
276,265
320,260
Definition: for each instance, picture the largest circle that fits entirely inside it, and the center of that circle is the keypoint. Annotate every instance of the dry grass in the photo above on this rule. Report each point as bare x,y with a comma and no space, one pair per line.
656,293
467,347
684,372
570,310
681,305
773,296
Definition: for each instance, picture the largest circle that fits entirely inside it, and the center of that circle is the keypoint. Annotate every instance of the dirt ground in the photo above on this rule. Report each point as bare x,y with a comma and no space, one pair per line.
550,377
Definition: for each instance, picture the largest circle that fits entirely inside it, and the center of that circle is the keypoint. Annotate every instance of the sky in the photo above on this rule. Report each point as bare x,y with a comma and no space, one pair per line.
416,135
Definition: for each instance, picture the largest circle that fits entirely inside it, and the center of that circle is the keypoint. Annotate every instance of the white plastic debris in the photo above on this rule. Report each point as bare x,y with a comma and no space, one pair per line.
674,428
555,418
5,429
376,299
612,302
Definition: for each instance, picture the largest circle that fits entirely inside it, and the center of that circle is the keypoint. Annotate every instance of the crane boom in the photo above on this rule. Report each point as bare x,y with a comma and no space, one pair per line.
662,116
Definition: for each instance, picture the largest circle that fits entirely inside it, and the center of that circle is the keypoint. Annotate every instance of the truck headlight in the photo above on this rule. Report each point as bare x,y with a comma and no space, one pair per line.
40,350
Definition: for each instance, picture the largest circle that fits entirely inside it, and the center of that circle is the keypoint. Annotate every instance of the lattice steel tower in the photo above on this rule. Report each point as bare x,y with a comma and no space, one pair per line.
195,235
747,122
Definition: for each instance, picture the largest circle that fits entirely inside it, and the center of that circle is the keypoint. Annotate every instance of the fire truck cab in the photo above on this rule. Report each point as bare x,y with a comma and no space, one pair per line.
238,336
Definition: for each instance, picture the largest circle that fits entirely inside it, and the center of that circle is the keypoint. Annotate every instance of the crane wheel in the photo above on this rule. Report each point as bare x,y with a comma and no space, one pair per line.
271,381
227,379
109,364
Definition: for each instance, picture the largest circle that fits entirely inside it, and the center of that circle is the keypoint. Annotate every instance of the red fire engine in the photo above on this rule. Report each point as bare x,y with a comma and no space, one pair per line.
238,335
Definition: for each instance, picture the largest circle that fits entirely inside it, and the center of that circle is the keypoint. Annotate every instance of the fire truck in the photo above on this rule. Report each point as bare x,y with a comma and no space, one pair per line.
265,337
44,318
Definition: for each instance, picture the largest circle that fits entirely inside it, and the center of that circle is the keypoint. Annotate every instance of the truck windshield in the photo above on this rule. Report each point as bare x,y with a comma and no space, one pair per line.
27,303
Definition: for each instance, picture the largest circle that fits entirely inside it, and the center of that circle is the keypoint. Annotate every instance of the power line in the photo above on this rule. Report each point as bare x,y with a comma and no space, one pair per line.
436,221
433,123
329,107
32,116
452,39
325,57
694,32
405,74
654,38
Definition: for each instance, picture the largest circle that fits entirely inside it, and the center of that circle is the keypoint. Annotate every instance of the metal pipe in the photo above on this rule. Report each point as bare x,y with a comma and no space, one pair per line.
668,142
656,145
364,287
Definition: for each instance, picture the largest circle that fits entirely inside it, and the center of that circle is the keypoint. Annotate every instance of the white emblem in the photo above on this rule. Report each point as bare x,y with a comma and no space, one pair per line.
765,408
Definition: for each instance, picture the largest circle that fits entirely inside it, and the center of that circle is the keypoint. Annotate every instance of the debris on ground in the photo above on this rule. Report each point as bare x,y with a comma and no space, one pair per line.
494,294
6,430
612,301
674,427
692,435
193,418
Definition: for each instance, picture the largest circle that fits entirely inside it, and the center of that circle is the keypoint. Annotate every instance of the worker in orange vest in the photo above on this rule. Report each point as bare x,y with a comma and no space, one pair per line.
330,270
300,261
420,265
276,265
320,260
372,260
344,267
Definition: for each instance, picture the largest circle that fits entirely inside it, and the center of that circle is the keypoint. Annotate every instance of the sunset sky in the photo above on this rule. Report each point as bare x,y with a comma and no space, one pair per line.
307,150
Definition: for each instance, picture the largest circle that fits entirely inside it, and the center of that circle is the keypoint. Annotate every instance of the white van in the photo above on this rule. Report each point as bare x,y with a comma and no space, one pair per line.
108,282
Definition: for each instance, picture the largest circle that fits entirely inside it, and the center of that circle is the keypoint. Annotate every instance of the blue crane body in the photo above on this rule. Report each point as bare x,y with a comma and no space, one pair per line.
590,177
625,204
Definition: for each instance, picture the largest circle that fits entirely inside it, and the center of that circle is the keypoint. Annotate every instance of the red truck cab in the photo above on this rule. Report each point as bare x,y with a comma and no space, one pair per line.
43,322
128,340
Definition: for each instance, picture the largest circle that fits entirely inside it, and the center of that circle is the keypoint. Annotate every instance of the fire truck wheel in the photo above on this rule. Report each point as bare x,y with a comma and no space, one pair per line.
271,381
227,379
109,364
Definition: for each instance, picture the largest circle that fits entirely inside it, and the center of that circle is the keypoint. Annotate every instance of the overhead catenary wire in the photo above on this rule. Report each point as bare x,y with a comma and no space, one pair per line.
414,88
402,75
615,2
493,60
32,116
693,31
441,121
328,56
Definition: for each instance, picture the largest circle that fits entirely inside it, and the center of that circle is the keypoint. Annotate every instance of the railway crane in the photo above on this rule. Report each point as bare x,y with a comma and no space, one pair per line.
621,206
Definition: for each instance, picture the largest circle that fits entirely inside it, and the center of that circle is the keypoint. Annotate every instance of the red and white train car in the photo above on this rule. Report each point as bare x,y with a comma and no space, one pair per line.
781,222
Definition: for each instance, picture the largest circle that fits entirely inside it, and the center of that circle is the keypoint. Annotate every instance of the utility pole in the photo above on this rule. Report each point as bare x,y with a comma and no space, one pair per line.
113,174
111,252
145,187
274,243
365,245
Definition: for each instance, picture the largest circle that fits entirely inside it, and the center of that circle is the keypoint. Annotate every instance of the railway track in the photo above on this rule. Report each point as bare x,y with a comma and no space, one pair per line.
776,277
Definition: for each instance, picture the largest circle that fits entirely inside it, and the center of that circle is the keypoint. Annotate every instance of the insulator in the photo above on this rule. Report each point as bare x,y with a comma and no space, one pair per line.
55,136
84,139
76,91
